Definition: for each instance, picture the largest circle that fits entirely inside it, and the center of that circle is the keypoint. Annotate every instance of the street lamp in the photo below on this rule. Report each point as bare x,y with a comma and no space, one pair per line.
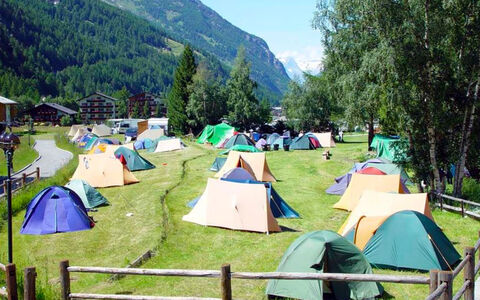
9,142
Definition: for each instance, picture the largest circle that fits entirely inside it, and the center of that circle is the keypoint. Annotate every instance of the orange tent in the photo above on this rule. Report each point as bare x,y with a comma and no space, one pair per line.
234,205
374,208
363,182
254,163
103,170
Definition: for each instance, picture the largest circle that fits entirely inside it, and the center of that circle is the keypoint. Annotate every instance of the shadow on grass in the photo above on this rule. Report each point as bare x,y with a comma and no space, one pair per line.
287,229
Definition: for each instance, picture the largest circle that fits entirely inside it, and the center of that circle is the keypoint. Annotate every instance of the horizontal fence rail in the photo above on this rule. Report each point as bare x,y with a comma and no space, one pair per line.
20,182
461,210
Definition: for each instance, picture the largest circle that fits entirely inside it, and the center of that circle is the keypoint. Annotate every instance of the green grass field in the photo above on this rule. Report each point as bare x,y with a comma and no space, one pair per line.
117,239
23,156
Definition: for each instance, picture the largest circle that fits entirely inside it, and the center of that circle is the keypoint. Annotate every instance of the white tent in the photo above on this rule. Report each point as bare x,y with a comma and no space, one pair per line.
74,129
80,132
169,145
101,130
325,139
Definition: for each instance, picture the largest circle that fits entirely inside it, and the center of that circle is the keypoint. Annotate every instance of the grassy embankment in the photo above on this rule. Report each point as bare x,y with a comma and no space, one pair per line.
118,239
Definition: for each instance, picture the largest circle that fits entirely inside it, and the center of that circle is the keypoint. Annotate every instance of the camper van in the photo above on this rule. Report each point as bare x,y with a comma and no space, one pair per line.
122,126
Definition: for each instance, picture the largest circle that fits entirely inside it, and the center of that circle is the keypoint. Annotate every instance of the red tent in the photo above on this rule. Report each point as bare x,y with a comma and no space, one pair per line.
371,171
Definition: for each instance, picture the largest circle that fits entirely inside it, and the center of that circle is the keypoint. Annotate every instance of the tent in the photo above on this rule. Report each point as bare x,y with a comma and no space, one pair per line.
240,148
325,139
110,149
215,134
101,130
109,141
103,170
323,252
90,197
260,143
254,163
387,147
235,206
74,128
238,139
272,138
78,135
89,145
151,134
55,209
143,144
410,240
218,164
381,204
281,141
101,148
169,145
82,143
342,182
305,142
239,174
362,182
153,146
133,160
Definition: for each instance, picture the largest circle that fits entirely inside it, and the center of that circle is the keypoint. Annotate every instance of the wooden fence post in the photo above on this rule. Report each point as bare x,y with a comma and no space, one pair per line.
433,280
469,273
441,203
11,279
64,280
24,179
225,281
29,284
463,209
38,173
446,277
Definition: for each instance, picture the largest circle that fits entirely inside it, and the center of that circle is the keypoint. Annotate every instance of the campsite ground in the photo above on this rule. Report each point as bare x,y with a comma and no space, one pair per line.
157,224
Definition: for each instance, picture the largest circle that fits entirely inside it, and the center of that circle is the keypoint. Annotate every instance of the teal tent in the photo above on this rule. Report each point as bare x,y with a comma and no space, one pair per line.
153,145
132,159
304,142
238,139
410,240
218,164
319,252
241,148
91,143
89,195
215,134
388,147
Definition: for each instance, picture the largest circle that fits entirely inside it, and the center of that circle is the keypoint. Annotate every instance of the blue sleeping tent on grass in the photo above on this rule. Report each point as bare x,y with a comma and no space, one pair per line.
55,209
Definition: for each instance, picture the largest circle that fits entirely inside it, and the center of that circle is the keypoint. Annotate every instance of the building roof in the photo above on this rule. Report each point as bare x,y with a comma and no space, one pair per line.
58,107
4,100
100,94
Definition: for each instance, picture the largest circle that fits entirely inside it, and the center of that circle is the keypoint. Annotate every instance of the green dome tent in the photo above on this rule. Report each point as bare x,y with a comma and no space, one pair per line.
215,134
388,147
133,160
427,247
304,142
241,148
89,195
319,252
237,140
218,164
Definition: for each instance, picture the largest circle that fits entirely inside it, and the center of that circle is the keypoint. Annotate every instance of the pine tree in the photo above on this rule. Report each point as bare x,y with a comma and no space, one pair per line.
122,97
179,94
146,109
135,111
243,106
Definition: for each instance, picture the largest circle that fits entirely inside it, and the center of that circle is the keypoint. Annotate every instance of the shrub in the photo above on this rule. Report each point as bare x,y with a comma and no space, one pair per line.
66,121
471,189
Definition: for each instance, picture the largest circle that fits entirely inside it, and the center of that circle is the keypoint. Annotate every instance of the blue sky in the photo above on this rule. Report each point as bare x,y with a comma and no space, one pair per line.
284,24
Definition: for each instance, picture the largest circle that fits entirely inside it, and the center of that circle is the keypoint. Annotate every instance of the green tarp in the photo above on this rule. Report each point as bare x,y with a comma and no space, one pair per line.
388,147
241,148
410,240
90,196
318,252
215,134
133,160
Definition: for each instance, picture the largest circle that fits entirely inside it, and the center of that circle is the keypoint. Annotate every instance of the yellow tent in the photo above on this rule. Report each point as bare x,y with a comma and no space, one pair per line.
325,139
74,129
103,170
98,149
255,163
375,207
362,182
233,205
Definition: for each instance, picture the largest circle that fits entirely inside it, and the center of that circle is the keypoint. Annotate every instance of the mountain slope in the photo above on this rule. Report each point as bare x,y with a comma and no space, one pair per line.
75,47
197,24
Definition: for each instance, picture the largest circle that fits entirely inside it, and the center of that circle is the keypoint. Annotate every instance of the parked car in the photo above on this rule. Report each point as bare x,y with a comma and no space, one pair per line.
131,134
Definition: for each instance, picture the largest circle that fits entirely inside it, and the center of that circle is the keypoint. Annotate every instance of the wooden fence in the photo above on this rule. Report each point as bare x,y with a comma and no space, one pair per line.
443,200
440,282
18,183
10,291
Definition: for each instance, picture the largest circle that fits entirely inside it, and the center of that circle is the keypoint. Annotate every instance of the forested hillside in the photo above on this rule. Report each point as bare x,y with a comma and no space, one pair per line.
78,46
202,27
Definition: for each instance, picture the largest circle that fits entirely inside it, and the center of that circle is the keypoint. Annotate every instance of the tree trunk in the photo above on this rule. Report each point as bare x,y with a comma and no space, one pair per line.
370,132
412,152
465,143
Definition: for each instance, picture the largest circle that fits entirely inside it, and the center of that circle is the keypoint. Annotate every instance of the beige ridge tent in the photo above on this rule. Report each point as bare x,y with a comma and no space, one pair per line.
363,182
103,170
325,139
151,134
235,206
169,145
74,129
101,130
374,208
110,149
255,163
80,132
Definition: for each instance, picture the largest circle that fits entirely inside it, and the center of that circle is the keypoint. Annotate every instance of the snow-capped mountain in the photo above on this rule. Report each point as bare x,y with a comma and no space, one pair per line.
296,68
291,66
